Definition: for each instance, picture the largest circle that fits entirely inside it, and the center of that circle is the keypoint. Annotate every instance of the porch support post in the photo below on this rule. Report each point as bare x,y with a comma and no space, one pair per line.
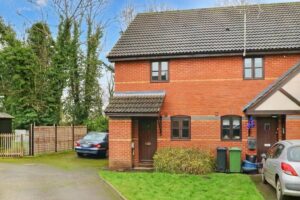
120,139
279,128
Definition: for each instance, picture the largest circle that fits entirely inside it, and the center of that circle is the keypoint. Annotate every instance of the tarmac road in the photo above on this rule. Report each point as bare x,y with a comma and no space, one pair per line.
43,182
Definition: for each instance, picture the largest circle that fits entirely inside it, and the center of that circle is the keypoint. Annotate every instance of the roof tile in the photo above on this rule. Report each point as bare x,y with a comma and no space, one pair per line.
269,27
136,102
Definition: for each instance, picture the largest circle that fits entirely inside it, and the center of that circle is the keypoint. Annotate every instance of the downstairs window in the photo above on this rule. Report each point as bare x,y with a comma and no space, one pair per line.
231,128
180,127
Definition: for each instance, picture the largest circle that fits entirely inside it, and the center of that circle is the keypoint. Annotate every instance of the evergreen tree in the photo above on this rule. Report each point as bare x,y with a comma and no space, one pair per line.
92,90
73,105
19,66
58,73
42,44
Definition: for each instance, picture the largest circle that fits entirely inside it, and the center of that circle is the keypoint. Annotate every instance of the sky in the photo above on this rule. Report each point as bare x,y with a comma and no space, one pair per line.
21,14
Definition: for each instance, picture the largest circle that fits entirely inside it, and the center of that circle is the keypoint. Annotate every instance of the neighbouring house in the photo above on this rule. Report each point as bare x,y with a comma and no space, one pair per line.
5,123
205,78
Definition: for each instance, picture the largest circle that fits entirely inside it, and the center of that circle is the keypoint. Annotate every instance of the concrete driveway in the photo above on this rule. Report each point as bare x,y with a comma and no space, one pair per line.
42,182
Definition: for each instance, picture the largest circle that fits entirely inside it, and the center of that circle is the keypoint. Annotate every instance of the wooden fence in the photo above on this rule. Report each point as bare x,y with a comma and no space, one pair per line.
40,139
48,139
12,145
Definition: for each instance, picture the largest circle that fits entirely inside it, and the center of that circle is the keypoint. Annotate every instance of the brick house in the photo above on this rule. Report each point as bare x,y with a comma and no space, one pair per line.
195,78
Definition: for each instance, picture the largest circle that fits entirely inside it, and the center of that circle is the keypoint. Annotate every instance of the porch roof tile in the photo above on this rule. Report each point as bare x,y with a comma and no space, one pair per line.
142,102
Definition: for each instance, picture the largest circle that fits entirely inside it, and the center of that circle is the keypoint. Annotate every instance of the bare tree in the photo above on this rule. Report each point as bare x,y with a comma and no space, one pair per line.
156,6
127,15
69,9
236,2
110,84
130,10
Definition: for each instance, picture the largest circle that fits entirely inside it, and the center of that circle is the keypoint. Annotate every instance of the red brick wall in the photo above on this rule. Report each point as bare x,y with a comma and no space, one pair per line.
205,134
293,127
209,87
120,155
135,138
203,86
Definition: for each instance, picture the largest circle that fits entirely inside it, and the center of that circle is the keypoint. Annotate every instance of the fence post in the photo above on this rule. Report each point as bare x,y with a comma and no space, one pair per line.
55,131
22,146
73,136
32,139
29,139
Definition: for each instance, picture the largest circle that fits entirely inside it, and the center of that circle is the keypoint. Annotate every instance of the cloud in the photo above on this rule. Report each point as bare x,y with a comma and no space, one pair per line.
41,3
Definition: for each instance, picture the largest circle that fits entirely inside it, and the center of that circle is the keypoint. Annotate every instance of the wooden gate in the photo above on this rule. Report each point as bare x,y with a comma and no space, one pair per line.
12,145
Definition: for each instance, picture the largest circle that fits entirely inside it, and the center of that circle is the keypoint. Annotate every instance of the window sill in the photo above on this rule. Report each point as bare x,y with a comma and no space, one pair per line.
231,140
185,139
159,81
254,79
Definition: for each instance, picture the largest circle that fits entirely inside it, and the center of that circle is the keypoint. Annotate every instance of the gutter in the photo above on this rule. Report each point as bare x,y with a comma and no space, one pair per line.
200,55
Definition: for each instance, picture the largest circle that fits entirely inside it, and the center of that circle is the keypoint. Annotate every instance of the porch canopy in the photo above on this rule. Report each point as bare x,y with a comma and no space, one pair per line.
282,97
135,103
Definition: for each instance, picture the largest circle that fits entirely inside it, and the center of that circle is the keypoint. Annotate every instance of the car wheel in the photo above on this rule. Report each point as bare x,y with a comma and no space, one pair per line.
263,178
80,155
106,153
279,194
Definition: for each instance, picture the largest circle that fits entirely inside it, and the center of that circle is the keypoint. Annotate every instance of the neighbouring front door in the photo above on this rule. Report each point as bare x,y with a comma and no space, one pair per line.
266,134
147,139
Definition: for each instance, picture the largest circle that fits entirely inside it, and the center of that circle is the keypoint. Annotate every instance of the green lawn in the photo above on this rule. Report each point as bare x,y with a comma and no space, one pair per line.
65,160
143,185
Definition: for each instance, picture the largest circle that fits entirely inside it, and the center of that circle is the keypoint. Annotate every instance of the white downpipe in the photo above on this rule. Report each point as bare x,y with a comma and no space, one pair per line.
245,31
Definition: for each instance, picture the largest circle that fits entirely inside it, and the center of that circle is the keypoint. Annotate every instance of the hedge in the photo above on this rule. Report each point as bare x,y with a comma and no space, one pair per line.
184,160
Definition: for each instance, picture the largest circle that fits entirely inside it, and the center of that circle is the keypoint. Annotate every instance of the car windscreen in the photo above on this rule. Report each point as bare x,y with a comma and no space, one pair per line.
294,154
94,136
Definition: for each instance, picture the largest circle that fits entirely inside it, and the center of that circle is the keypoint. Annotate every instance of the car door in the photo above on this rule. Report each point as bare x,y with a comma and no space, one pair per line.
276,162
269,164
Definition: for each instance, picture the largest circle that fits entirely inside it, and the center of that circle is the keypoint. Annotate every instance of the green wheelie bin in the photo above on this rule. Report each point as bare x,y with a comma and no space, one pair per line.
235,160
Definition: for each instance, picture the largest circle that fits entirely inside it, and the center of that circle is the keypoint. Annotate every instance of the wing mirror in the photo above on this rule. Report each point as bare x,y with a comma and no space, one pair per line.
263,156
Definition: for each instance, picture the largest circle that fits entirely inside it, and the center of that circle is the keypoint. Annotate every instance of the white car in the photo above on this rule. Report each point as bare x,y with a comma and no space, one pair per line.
281,168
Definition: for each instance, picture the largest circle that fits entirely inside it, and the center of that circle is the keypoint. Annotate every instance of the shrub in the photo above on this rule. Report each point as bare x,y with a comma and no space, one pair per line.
184,160
97,124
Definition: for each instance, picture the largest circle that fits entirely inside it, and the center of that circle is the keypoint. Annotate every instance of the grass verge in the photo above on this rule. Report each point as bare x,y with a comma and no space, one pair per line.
163,186
65,160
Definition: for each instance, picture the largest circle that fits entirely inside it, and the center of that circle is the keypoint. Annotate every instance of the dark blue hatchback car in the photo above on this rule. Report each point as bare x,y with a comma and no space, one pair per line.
94,143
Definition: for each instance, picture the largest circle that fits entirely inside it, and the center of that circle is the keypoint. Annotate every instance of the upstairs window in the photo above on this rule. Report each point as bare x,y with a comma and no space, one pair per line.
231,128
253,68
180,127
159,71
